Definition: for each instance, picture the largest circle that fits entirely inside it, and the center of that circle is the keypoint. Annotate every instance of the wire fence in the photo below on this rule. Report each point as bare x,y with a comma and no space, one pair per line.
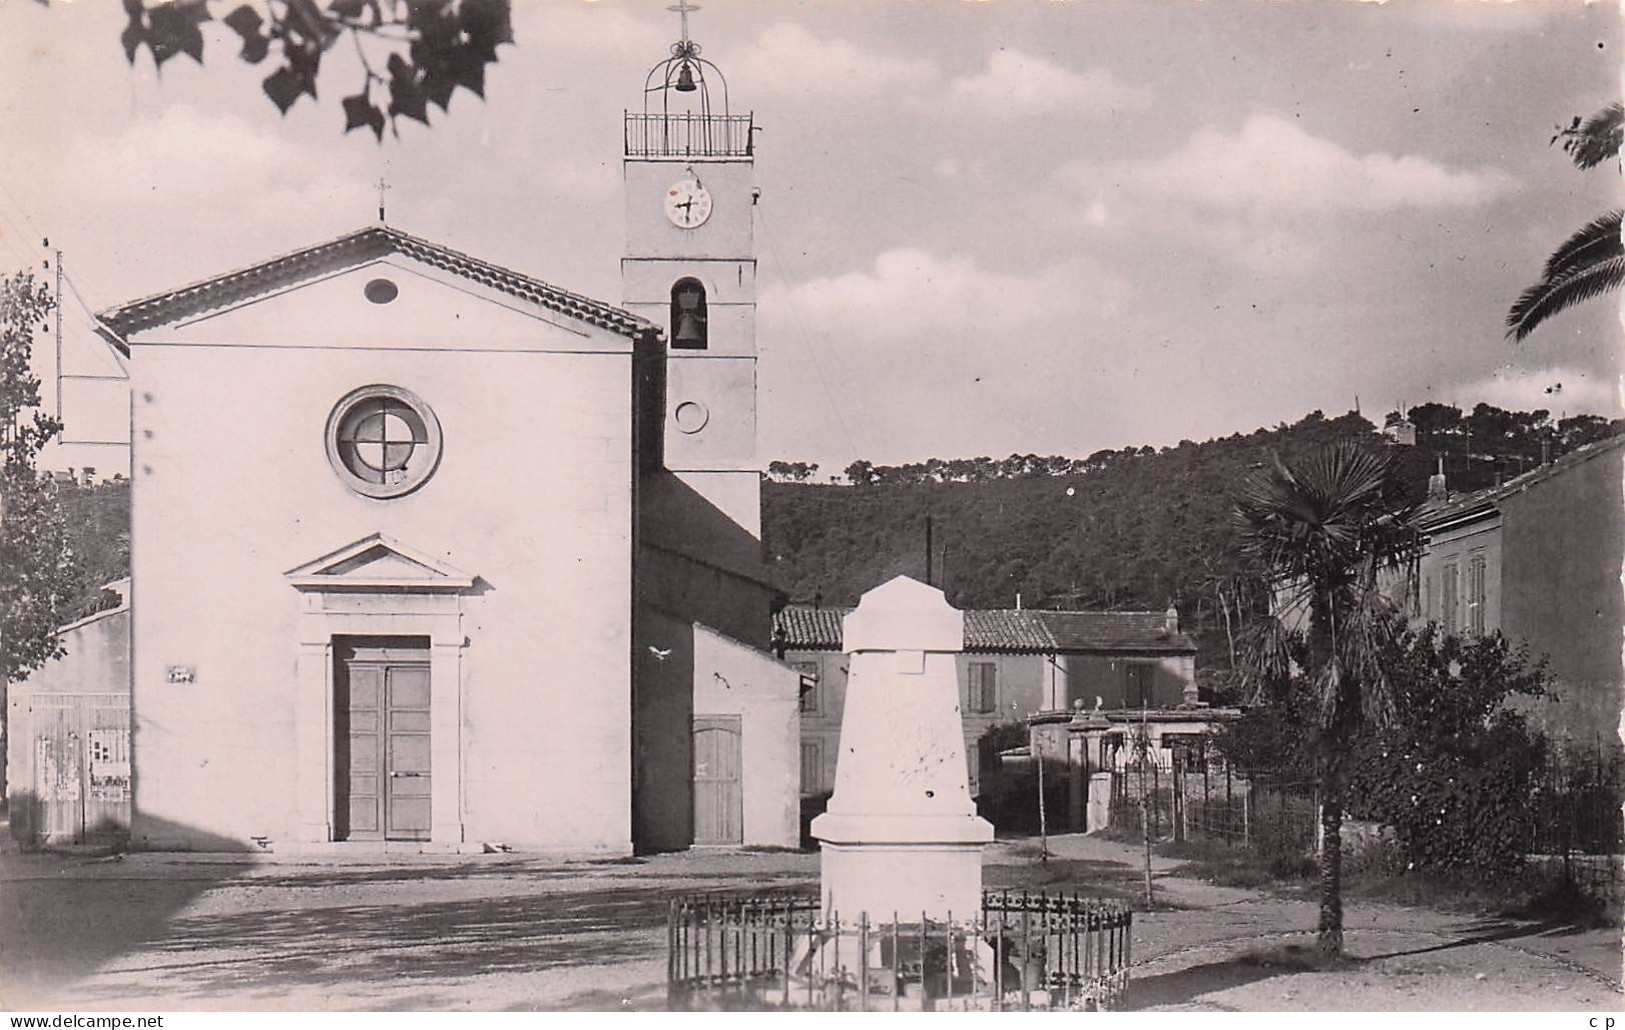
1022,951
1577,804
1199,796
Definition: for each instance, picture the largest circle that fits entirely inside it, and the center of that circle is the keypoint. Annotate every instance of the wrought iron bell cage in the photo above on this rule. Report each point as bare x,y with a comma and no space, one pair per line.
685,71
688,125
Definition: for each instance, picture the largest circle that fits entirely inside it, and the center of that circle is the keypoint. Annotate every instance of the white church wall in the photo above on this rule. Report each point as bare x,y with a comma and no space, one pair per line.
532,494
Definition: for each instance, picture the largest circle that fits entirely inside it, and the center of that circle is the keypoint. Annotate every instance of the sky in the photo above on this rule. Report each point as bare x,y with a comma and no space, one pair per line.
1017,226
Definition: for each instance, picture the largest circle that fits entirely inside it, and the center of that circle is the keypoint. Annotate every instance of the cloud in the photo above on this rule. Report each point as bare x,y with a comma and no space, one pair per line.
1017,84
1269,196
932,353
911,294
1526,389
1271,166
580,177
788,59
166,174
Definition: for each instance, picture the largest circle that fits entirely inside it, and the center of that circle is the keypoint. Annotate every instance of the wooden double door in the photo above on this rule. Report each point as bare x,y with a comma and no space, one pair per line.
382,719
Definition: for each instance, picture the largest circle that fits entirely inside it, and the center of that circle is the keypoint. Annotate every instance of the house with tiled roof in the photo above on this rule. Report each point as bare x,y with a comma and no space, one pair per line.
1539,558
1017,664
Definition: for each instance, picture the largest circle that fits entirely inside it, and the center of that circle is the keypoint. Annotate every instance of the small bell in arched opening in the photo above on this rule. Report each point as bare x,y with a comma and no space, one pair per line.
689,334
685,79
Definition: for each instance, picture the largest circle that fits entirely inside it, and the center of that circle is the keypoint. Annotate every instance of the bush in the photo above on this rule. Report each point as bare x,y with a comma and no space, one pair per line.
1456,777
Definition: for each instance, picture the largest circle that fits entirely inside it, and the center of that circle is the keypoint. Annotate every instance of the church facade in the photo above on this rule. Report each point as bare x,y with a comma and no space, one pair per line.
431,555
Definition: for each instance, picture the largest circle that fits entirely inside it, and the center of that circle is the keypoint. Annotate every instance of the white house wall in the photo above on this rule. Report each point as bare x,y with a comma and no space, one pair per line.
732,679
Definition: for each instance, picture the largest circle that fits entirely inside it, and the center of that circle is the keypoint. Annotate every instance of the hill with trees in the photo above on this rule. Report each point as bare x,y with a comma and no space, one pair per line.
1136,528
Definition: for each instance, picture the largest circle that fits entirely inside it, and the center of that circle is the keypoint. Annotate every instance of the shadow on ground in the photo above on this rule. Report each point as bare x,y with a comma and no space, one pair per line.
382,938
60,921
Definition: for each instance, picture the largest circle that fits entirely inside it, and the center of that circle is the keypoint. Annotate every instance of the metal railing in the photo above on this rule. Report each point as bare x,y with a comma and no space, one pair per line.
688,135
1022,951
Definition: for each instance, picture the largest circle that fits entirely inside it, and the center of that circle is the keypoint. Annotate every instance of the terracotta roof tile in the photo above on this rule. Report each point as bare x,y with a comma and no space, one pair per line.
347,251
1437,512
1144,632
1023,631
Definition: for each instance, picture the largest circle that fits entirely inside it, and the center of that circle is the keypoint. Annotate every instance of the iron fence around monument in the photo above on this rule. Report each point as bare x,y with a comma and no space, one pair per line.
1021,952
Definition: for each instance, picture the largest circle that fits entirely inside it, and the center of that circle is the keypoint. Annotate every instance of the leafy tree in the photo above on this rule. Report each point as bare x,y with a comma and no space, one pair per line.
38,573
791,471
1456,774
1322,529
416,52
860,473
1592,261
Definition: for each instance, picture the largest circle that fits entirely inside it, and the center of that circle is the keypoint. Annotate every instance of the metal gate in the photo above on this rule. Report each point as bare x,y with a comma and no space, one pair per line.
81,768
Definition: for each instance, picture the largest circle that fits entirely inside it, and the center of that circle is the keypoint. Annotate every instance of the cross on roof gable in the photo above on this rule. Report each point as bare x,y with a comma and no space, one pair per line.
348,251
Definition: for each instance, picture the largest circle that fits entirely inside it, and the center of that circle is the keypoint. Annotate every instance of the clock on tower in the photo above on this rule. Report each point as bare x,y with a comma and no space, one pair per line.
690,266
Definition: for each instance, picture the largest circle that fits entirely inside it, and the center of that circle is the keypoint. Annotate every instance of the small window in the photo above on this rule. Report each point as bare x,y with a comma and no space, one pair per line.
809,686
1450,598
1138,692
688,315
1475,594
984,687
812,767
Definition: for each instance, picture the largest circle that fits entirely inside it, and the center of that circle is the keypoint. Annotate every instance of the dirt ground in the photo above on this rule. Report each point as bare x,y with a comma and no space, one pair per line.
505,932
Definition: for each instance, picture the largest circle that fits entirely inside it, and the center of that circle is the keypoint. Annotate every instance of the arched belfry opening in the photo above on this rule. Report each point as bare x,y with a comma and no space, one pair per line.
688,315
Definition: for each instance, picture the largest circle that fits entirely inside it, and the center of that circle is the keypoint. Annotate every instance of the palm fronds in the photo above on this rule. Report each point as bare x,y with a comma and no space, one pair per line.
1592,261
1588,264
1592,141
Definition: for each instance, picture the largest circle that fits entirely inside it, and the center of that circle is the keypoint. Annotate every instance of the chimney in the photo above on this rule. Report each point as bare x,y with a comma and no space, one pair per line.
1018,600
1437,490
1170,620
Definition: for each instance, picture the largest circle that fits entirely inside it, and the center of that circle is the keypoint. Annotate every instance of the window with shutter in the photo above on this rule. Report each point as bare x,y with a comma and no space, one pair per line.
1449,598
1138,694
1475,594
810,687
812,767
984,687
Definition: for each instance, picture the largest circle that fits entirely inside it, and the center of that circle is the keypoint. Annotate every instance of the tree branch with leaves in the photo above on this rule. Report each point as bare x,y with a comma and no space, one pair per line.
38,575
413,53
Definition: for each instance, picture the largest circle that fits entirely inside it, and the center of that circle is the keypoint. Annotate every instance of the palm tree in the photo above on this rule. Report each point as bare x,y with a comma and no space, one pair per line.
1592,261
1333,533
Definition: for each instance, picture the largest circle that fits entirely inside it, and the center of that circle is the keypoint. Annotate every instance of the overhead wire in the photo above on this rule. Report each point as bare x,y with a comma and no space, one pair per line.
801,335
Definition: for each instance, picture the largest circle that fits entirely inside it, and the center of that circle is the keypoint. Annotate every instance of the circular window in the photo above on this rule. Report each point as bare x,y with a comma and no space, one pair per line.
691,416
383,441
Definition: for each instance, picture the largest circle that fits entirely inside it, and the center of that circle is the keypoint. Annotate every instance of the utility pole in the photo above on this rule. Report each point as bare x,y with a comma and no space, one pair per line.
1143,746
1043,818
928,570
58,367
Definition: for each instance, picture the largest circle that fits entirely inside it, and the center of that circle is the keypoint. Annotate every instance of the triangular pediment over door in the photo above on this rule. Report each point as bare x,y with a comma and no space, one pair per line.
379,563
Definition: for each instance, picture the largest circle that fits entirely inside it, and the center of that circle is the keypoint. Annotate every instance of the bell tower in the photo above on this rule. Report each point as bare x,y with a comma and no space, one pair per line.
690,267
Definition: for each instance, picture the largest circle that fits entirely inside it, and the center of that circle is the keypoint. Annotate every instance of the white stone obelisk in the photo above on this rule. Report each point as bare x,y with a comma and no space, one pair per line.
901,834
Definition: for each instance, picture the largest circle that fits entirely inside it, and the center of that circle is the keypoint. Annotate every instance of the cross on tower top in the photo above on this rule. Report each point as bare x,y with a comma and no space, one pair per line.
683,9
382,186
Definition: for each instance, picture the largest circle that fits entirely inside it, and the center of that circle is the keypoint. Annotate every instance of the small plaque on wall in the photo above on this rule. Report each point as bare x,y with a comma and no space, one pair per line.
180,674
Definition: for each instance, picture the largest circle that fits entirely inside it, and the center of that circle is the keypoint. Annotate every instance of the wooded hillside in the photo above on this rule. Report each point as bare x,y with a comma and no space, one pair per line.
1136,528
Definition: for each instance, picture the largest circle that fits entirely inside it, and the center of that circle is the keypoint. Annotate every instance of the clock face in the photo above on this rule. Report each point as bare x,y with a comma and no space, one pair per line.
688,204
